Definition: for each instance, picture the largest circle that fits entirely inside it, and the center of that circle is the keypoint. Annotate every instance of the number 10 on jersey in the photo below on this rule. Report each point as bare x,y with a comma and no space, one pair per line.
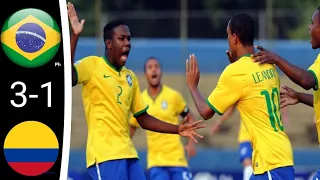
25,97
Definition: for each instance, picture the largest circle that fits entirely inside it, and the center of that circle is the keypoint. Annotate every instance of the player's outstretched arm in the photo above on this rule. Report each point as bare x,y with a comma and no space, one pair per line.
303,78
76,27
193,76
184,129
132,131
289,96
216,126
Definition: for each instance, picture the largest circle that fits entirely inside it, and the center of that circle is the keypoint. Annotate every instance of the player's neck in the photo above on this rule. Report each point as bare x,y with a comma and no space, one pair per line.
112,62
245,51
154,91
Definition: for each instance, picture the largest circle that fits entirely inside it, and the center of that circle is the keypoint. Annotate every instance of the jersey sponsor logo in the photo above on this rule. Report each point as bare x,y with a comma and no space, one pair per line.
129,80
164,105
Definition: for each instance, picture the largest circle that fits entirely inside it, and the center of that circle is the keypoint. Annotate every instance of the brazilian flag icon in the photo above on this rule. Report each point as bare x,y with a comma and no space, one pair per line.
30,38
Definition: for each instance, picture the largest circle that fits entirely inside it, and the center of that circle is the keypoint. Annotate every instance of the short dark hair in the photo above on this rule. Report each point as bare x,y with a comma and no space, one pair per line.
108,29
243,26
148,59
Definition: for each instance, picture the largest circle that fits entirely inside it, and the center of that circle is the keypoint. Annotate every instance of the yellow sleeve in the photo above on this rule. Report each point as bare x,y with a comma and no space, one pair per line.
133,122
315,70
227,91
138,106
181,104
84,69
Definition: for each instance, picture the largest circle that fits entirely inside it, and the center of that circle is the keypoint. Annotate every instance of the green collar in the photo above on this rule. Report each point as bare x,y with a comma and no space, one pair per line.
246,55
108,62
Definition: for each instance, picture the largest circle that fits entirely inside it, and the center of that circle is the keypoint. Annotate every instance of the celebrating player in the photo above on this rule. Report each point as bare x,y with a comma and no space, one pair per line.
245,149
166,156
306,79
110,93
244,141
255,90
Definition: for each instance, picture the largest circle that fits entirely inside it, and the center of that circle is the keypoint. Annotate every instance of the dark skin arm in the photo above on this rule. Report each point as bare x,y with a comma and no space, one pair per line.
204,110
153,124
306,99
132,131
76,27
298,75
73,42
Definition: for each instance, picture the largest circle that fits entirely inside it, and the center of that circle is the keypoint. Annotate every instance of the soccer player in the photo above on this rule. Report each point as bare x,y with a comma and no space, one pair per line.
110,92
245,149
306,79
255,90
166,155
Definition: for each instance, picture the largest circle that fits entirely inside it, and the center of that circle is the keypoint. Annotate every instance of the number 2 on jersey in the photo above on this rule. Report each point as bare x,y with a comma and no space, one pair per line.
273,108
118,97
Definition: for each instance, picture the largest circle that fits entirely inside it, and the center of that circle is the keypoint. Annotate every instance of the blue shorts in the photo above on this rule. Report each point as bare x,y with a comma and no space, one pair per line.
245,151
122,169
317,175
169,173
283,173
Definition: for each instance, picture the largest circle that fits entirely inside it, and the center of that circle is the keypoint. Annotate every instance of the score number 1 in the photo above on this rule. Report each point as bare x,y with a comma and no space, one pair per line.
24,97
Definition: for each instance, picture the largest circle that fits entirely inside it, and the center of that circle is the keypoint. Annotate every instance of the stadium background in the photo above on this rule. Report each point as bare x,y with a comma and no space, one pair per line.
172,29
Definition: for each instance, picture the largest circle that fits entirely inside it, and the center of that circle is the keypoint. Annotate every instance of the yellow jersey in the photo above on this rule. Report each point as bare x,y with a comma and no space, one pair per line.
315,70
109,97
243,135
255,90
164,149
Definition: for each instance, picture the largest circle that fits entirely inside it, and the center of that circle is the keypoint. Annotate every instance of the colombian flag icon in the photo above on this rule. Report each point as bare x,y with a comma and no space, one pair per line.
30,38
31,148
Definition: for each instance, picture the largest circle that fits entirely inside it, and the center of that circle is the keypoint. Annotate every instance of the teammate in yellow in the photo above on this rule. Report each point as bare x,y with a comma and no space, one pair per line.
306,79
110,92
245,149
255,90
166,155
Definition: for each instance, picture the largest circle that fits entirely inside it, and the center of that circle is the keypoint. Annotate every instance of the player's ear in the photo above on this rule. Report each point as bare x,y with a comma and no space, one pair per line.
234,39
108,43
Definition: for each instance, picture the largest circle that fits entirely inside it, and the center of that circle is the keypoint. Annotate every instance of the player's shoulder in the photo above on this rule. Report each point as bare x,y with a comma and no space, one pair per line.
88,59
317,61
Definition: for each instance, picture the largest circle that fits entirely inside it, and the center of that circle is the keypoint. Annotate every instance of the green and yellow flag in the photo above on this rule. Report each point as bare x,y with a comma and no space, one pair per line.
30,38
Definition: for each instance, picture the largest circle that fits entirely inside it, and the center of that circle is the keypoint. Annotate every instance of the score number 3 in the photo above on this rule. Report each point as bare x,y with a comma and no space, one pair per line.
24,97
273,108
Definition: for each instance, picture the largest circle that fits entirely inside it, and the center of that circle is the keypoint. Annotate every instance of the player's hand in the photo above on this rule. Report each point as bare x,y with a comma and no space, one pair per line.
191,150
189,129
230,57
265,56
215,128
288,96
192,72
76,25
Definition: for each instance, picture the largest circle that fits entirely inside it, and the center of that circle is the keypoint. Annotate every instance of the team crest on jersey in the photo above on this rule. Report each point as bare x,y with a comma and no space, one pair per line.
164,105
129,80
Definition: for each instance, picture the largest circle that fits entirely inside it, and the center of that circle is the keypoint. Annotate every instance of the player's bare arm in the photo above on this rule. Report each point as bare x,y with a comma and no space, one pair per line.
216,126
183,129
303,78
193,76
132,131
289,96
77,27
